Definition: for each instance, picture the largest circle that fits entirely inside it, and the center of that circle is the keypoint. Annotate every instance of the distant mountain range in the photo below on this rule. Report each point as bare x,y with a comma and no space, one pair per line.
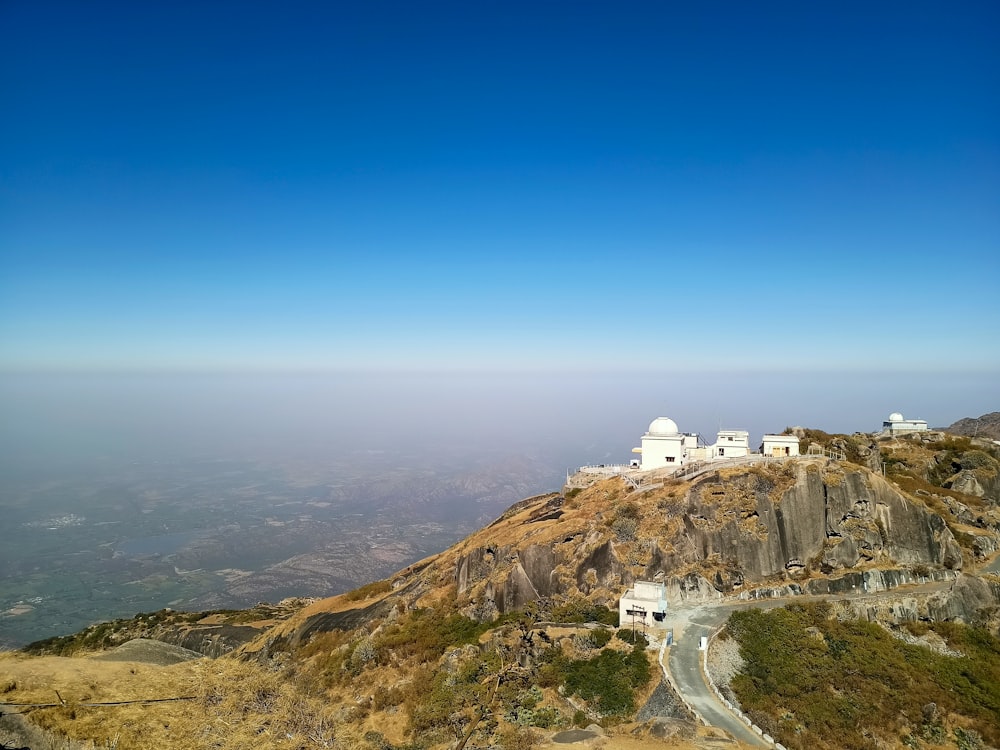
986,426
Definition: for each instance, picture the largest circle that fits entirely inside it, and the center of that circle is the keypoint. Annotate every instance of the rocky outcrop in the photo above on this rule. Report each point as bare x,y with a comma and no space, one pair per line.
820,523
967,483
970,599
478,564
691,589
600,568
986,426
210,640
737,530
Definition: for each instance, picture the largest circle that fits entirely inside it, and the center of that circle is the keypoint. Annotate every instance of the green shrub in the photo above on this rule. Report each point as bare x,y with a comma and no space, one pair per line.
600,637
581,610
635,639
608,680
424,634
841,681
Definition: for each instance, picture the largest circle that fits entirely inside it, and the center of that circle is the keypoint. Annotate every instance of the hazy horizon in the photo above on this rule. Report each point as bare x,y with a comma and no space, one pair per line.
562,418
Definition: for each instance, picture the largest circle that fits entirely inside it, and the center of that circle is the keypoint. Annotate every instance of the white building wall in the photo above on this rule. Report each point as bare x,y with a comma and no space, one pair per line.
659,451
648,600
780,445
906,425
731,444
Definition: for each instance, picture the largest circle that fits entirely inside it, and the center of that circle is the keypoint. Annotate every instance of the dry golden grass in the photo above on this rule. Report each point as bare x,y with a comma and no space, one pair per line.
236,705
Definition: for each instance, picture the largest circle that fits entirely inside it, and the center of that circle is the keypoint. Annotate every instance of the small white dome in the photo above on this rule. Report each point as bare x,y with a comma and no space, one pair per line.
895,417
663,426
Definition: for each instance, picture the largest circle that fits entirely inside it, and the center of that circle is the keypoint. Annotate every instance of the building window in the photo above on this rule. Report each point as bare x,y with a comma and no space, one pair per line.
670,459
722,451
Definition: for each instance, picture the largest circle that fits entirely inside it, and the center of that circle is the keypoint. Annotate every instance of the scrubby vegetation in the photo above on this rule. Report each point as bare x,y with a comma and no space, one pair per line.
625,522
227,704
581,610
494,681
815,682
937,462
608,681
855,447
376,588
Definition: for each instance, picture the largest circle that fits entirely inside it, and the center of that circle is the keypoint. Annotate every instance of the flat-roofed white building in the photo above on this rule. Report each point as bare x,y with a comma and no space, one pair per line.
780,445
644,604
731,444
896,425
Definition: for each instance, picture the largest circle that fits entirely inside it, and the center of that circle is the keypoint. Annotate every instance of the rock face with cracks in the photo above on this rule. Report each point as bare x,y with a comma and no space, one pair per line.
805,525
727,531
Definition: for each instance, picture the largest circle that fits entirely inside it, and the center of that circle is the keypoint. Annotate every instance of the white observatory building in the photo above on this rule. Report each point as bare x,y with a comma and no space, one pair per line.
896,425
664,445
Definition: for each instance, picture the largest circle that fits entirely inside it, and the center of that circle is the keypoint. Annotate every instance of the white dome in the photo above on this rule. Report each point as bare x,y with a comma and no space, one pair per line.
663,426
895,417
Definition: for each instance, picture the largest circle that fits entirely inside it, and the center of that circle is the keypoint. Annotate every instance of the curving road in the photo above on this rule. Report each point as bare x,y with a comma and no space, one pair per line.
690,624
684,664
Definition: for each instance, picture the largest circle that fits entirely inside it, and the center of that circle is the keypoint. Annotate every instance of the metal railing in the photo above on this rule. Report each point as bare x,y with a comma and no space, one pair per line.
648,480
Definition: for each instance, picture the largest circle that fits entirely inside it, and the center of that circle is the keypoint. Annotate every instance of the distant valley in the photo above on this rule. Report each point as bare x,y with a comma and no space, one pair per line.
209,534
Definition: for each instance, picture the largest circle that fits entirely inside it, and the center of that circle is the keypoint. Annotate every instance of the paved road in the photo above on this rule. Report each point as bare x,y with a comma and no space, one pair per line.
685,659
684,663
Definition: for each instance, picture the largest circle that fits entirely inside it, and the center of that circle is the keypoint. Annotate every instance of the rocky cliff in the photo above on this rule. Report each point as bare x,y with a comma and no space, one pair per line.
734,529
800,525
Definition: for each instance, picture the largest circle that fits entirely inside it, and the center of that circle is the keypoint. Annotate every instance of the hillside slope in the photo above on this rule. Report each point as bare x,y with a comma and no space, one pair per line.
488,641
725,533
985,426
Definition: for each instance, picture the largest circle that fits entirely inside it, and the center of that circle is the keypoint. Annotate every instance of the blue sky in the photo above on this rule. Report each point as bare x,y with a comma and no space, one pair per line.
500,186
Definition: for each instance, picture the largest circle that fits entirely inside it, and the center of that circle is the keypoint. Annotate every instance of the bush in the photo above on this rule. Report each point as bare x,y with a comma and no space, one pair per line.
635,639
840,681
600,637
424,634
608,680
581,610
386,697
625,528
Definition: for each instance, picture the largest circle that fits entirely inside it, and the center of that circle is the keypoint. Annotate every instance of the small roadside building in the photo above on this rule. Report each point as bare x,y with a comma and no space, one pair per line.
780,445
644,604
896,425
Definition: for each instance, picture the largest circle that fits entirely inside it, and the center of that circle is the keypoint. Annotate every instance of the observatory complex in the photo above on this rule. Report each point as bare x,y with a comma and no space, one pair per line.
665,446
